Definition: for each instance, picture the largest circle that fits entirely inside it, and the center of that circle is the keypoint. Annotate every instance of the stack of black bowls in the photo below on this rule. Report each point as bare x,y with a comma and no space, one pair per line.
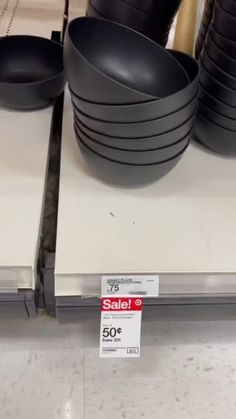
134,102
150,17
216,122
204,26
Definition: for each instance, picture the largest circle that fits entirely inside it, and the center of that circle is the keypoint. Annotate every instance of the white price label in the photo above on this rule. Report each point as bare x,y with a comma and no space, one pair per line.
120,327
133,285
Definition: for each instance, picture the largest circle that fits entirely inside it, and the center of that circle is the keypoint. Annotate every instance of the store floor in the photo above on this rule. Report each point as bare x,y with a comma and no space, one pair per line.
48,370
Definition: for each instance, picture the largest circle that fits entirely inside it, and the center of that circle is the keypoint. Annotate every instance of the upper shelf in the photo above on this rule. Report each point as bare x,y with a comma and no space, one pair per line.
184,223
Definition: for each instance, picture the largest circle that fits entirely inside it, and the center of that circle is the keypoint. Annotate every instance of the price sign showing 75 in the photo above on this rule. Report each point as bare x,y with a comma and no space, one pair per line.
113,288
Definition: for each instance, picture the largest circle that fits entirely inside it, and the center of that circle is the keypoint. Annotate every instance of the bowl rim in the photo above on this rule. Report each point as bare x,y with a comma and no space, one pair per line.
194,97
141,138
126,29
76,127
132,123
135,165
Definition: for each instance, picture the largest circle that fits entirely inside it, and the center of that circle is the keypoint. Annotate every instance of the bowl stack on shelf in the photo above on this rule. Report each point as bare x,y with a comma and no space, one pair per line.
134,102
204,26
216,122
150,17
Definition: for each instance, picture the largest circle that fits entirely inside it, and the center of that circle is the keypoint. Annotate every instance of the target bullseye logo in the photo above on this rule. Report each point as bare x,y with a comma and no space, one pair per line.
138,302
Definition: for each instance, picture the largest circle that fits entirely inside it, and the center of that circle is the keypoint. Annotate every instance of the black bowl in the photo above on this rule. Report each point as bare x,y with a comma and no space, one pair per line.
138,129
147,143
149,110
134,156
225,44
31,72
215,104
217,118
162,9
217,72
126,15
228,6
126,175
222,60
219,90
121,12
109,63
224,22
214,137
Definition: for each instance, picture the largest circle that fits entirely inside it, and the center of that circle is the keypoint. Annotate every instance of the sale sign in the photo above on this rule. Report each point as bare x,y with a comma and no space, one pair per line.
120,327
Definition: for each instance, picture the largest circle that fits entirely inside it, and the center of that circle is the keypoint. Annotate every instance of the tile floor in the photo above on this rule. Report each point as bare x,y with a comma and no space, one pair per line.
49,370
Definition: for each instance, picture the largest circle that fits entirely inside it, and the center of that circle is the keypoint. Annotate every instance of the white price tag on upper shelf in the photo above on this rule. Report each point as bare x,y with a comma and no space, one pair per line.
120,327
135,285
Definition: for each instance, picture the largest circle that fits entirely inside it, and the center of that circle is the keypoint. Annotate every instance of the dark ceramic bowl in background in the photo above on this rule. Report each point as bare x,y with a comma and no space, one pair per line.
228,6
225,44
108,63
217,118
215,104
224,61
147,143
214,137
224,22
219,90
217,72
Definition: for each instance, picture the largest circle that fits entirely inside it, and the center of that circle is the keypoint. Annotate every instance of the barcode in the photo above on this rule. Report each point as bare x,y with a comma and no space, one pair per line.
137,292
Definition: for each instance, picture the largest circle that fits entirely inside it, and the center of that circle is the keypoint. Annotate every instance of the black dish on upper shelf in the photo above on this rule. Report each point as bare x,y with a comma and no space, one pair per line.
109,63
31,72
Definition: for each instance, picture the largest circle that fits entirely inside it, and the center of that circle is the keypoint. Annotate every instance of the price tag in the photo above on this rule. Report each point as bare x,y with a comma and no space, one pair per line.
120,327
133,285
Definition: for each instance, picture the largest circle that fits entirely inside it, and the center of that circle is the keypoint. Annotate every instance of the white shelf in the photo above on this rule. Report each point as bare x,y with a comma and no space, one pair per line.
182,224
24,141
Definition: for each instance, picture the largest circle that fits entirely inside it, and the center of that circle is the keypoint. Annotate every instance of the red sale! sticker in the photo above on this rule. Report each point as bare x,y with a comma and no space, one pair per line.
120,327
120,304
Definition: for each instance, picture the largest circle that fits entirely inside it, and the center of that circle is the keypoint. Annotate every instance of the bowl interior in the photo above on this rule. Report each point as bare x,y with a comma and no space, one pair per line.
29,59
127,57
